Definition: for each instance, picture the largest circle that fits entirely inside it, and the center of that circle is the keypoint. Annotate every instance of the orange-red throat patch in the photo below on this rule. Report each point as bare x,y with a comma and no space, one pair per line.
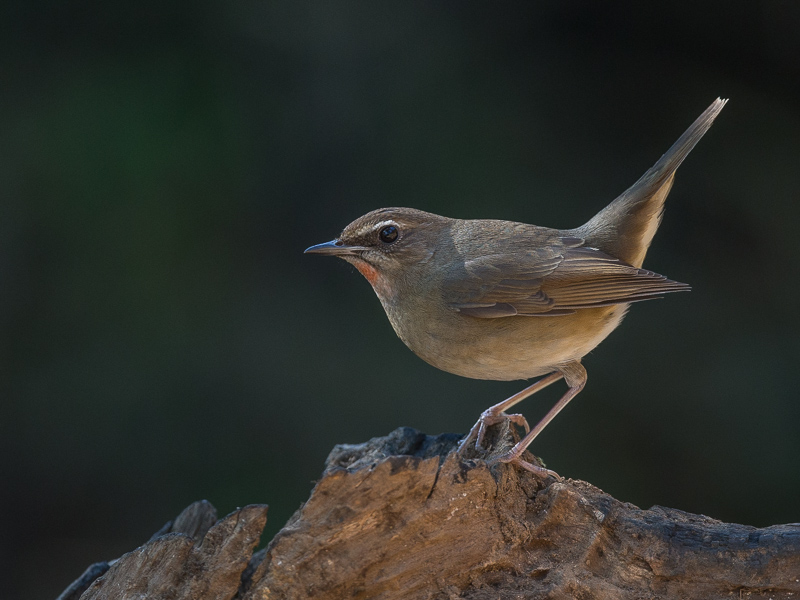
367,270
376,280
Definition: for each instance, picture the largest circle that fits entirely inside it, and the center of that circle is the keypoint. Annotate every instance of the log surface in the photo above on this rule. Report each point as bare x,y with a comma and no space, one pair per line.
402,516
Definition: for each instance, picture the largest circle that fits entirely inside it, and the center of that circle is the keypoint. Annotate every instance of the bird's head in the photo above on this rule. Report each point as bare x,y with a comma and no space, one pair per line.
386,245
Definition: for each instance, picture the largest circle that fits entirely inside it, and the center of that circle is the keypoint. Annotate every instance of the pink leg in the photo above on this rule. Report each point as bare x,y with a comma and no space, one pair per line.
496,413
575,375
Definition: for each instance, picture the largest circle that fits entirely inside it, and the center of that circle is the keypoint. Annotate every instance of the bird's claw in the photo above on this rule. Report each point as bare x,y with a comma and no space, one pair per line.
478,432
535,469
486,420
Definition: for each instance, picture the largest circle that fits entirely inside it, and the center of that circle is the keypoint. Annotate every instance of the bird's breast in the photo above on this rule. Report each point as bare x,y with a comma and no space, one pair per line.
507,348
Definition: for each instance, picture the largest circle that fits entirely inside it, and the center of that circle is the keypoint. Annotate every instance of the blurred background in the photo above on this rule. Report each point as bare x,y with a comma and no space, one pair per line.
164,164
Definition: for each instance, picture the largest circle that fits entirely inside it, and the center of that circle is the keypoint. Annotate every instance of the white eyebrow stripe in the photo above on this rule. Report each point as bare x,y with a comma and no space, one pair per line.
377,226
383,224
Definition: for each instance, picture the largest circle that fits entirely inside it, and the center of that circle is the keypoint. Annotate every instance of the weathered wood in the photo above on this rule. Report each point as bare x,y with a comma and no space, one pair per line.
176,565
403,517
421,523
82,583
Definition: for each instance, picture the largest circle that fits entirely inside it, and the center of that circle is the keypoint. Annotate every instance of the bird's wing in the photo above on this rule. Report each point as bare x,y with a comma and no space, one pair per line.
552,281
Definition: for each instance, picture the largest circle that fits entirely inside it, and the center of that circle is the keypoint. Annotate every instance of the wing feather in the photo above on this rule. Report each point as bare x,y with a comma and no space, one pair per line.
556,280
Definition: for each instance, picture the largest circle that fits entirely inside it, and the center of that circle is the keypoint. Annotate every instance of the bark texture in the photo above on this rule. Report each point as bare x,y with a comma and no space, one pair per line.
404,517
190,557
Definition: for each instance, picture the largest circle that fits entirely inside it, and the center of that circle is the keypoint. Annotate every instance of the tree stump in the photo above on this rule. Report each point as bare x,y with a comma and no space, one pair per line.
403,516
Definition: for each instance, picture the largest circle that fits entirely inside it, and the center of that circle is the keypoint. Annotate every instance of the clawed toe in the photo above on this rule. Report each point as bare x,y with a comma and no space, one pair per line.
535,469
486,420
520,421
489,418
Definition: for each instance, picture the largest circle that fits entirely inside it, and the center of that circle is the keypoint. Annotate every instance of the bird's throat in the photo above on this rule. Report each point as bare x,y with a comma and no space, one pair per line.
378,282
368,271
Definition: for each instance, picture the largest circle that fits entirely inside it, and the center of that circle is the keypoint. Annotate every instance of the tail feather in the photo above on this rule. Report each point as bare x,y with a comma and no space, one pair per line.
626,227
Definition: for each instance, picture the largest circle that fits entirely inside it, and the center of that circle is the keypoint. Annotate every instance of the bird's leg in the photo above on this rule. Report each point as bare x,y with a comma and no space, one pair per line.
496,413
575,376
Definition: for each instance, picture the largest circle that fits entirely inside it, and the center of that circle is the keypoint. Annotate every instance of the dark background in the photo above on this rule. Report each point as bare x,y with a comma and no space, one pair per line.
163,166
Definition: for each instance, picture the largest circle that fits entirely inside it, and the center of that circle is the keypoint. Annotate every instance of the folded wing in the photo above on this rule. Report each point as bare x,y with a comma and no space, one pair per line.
552,281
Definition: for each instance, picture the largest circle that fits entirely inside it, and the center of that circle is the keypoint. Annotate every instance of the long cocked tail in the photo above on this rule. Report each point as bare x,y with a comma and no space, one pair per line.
626,227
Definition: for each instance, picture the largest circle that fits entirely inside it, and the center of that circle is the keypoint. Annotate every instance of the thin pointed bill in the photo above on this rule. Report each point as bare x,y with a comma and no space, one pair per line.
334,248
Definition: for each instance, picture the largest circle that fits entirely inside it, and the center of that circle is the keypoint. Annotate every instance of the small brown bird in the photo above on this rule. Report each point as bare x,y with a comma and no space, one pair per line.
501,300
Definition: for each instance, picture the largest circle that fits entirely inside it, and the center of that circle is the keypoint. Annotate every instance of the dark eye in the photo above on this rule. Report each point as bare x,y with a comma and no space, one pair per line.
388,234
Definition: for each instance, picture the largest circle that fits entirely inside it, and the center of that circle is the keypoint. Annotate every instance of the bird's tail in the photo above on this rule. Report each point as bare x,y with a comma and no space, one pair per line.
626,227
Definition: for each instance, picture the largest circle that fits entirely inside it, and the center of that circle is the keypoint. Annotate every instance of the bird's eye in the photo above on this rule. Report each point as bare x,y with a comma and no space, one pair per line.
388,234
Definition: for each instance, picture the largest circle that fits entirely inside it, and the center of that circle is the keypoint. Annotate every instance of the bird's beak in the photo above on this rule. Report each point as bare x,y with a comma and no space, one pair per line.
334,248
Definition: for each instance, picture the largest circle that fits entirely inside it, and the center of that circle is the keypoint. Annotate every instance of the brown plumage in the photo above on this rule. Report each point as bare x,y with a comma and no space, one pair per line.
502,300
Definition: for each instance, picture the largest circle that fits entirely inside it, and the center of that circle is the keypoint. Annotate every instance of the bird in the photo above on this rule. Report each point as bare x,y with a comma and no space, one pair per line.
502,300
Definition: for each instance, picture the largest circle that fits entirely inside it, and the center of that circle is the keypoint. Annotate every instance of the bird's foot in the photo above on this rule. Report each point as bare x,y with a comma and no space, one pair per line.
535,469
486,420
